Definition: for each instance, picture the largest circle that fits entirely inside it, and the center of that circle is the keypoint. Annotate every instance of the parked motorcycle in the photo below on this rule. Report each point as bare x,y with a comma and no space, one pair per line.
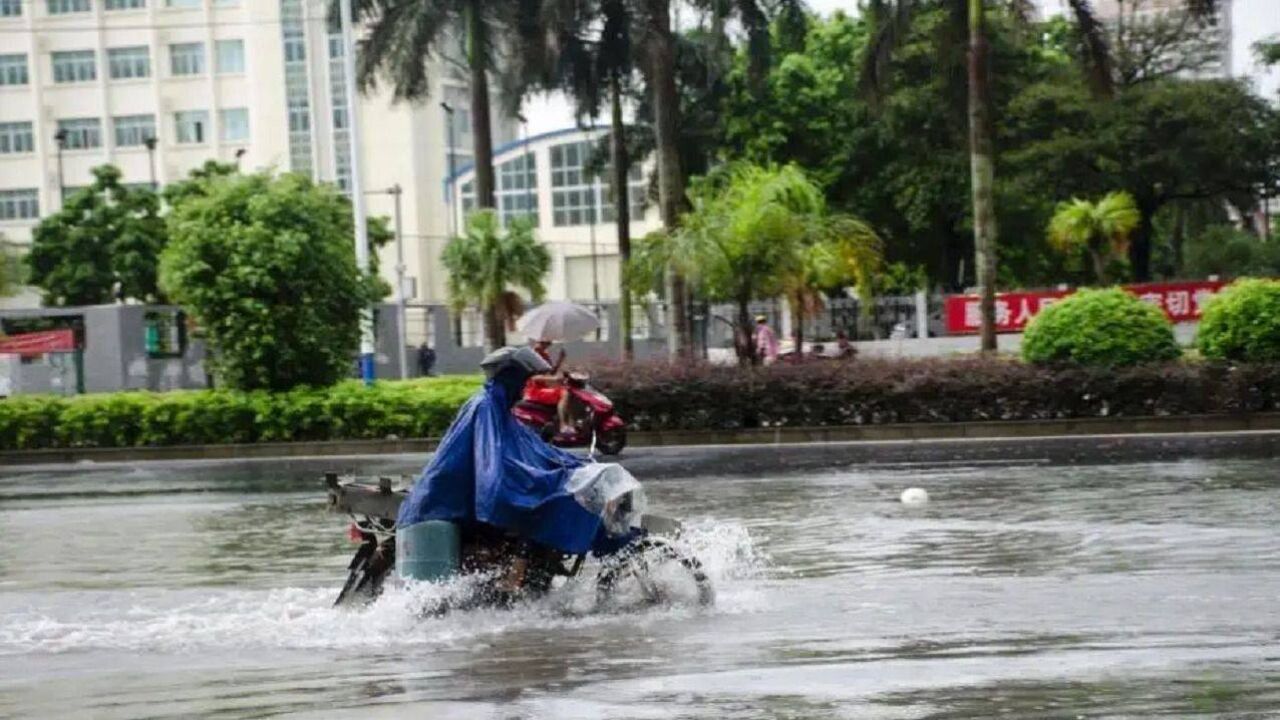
596,424
643,559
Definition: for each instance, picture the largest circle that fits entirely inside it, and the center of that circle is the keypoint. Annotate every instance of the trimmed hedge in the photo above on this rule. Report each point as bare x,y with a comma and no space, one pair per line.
1107,327
1242,323
418,408
861,392
660,397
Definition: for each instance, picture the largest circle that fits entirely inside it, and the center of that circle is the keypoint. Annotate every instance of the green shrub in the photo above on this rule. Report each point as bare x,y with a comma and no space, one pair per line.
1242,323
1107,328
348,410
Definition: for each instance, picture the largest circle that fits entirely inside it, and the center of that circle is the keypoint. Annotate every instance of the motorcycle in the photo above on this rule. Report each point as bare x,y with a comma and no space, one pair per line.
597,425
644,557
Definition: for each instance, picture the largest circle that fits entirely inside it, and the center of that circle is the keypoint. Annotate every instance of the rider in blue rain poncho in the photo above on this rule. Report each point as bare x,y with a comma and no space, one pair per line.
491,469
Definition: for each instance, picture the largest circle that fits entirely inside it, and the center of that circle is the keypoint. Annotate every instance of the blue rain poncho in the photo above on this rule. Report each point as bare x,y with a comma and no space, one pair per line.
492,469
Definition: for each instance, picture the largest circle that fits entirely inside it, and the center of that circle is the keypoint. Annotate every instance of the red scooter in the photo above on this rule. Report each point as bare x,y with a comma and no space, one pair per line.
596,423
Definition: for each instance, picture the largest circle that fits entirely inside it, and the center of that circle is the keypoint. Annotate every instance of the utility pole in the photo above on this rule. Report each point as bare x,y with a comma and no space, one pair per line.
453,210
150,142
61,138
401,330
357,196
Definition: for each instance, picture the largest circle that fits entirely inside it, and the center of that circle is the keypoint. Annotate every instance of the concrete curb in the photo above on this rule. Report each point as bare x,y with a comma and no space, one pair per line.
1013,429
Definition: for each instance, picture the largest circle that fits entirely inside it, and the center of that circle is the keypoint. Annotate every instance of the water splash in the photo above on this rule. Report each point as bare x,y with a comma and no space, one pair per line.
303,618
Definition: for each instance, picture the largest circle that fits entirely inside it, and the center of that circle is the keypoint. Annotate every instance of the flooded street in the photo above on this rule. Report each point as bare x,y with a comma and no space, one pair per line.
1037,591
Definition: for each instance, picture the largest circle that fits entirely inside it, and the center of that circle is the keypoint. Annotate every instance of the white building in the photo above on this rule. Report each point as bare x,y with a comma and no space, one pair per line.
253,81
573,210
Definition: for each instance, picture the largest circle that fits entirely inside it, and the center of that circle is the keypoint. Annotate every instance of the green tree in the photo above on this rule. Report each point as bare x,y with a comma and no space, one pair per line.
1101,230
102,245
586,49
197,182
1165,142
404,37
759,232
486,262
266,267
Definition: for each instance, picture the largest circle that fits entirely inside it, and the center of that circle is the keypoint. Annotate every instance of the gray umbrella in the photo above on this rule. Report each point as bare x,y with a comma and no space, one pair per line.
558,321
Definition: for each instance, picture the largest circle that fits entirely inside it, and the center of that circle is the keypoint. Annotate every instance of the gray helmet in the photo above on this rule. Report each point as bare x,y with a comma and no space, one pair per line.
517,356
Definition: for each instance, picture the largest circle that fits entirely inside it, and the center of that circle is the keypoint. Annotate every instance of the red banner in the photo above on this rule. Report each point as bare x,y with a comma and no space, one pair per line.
1181,301
38,343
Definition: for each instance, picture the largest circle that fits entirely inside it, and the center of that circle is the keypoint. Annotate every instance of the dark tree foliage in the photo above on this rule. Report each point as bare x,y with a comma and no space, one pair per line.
102,246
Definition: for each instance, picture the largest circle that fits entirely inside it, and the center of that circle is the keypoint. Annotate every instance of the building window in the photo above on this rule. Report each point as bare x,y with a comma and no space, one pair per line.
637,189
341,121
16,138
129,62
11,8
125,4
187,58
295,45
226,3
230,56
234,124
297,86
575,195
165,333
518,189
468,194
133,130
74,66
81,133
190,126
19,204
183,3
60,7
13,69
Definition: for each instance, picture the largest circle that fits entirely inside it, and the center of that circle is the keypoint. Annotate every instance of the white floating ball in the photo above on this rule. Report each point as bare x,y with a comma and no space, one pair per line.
914,497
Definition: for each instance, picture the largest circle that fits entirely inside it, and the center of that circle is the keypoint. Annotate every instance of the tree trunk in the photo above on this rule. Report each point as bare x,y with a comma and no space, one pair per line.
797,325
747,354
666,111
481,127
982,162
1099,267
621,209
1140,245
495,333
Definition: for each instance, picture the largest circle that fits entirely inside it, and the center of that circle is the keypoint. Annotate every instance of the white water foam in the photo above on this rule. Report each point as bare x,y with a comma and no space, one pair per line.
303,618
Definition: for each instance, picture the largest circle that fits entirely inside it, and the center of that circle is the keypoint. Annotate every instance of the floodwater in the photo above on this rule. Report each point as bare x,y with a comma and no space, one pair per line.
1033,591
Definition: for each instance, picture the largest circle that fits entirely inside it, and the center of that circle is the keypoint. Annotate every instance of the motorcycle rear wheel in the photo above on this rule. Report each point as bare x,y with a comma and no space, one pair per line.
367,571
639,560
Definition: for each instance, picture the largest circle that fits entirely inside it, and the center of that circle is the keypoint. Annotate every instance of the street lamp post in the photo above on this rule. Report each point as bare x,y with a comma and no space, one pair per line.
61,138
529,206
357,197
453,210
150,142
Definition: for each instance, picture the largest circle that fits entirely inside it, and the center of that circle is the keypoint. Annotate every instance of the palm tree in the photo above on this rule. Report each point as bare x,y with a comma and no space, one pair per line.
890,20
403,36
1101,229
584,48
657,41
757,232
485,263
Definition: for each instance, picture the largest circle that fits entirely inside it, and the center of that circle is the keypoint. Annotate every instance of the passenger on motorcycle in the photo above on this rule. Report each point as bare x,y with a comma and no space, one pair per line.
548,388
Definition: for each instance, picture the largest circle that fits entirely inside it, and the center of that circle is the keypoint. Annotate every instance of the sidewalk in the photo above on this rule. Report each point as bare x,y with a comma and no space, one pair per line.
1259,432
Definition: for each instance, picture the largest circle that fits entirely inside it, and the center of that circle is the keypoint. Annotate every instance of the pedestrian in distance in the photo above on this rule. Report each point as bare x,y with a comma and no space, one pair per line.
766,341
426,359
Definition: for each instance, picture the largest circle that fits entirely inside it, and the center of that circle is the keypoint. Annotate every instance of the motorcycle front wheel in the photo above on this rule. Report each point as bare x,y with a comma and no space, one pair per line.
655,571
612,442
